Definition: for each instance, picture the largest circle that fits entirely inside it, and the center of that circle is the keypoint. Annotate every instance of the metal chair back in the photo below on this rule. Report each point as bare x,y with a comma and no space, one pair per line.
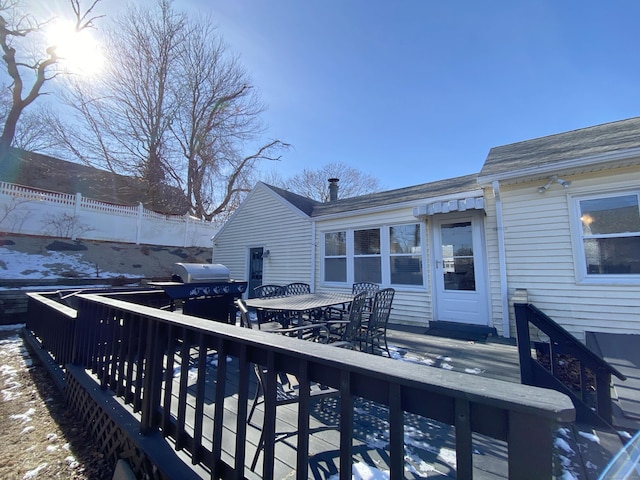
297,288
369,288
376,335
265,291
353,329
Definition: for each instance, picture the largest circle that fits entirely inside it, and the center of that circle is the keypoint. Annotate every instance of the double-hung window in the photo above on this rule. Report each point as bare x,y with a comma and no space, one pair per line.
367,262
387,255
405,255
609,236
335,257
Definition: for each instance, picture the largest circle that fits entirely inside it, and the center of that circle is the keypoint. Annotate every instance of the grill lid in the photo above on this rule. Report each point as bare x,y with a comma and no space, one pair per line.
200,272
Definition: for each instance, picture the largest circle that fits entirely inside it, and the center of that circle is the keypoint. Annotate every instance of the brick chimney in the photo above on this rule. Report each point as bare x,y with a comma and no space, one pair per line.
333,189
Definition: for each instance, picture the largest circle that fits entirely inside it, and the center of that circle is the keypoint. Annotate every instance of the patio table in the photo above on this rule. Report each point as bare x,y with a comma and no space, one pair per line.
299,304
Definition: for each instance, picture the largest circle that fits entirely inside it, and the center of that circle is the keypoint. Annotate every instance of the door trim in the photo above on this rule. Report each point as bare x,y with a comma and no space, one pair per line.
473,306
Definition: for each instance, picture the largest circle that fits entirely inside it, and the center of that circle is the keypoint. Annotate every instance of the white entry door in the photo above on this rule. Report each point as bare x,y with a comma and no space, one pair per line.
459,270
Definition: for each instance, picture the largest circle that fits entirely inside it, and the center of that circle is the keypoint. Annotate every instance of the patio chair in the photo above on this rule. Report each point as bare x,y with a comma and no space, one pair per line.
349,332
265,291
286,388
369,288
269,291
376,332
297,288
315,332
338,313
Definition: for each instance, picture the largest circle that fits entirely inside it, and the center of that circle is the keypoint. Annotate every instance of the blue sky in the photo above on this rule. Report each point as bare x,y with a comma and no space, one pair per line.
415,91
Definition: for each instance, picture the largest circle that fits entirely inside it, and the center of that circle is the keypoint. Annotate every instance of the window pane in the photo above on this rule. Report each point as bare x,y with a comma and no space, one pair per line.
367,242
610,215
367,269
457,240
335,269
335,244
460,275
405,239
612,255
406,270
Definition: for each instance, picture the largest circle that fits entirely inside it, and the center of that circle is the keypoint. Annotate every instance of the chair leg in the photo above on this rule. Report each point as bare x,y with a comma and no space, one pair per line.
254,462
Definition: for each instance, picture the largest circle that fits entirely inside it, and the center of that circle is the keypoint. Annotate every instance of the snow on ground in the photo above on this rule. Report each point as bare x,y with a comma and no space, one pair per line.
18,265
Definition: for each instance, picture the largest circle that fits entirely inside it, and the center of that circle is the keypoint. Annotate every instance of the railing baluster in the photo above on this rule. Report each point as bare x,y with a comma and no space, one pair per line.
166,423
181,437
302,455
244,370
201,383
219,412
346,426
139,355
269,424
464,441
396,433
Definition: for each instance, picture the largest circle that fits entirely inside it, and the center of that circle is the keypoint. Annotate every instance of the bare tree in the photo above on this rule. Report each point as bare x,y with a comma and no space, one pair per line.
173,107
32,131
16,26
314,183
219,114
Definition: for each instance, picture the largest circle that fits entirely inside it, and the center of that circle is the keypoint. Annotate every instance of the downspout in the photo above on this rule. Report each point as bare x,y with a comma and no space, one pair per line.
313,256
504,289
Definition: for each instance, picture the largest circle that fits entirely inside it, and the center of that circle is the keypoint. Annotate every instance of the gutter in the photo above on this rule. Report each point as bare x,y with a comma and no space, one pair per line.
504,287
312,283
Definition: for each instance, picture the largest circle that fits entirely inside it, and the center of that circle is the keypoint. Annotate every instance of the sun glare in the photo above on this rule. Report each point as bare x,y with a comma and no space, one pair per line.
79,52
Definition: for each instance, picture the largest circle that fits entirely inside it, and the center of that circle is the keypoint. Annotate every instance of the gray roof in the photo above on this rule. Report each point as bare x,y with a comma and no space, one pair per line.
424,191
303,204
575,144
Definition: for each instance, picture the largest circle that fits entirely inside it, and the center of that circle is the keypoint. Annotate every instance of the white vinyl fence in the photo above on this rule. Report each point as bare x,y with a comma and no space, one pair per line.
36,212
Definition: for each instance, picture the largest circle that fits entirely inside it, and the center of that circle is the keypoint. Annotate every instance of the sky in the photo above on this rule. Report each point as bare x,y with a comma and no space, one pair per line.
413,91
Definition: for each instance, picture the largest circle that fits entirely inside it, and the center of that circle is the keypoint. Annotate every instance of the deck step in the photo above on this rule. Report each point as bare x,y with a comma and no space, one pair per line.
460,331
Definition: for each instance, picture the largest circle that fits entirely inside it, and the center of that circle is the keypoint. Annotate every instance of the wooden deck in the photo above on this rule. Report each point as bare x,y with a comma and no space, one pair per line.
429,445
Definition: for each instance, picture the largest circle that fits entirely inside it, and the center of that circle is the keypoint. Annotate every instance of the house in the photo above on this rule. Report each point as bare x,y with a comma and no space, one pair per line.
42,172
554,221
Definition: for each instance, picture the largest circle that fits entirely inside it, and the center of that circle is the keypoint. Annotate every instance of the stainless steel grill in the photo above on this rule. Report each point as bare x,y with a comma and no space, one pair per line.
205,290
199,272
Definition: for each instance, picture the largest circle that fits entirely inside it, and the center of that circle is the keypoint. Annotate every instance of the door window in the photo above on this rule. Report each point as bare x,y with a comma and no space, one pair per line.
457,256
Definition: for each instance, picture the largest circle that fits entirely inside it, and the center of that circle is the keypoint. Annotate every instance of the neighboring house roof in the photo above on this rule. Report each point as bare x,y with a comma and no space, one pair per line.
416,193
584,146
43,172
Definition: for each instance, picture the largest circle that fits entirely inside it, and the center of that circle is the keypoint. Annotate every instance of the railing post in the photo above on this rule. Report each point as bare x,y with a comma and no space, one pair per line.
530,440
524,342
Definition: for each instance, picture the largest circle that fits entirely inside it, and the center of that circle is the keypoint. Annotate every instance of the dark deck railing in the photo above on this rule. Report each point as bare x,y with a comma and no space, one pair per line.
134,349
562,345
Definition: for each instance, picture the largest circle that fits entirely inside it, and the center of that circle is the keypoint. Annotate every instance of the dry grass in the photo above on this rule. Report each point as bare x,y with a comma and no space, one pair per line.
40,437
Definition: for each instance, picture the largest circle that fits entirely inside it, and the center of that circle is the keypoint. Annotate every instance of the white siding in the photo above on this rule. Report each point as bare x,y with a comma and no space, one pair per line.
411,305
540,256
266,221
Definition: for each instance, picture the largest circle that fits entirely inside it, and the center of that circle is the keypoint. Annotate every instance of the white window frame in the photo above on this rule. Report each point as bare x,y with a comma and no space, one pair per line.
345,256
579,254
385,256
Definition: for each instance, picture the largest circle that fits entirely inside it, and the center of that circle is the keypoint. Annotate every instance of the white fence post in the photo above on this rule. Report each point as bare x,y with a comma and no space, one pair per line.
186,229
25,210
140,217
76,214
